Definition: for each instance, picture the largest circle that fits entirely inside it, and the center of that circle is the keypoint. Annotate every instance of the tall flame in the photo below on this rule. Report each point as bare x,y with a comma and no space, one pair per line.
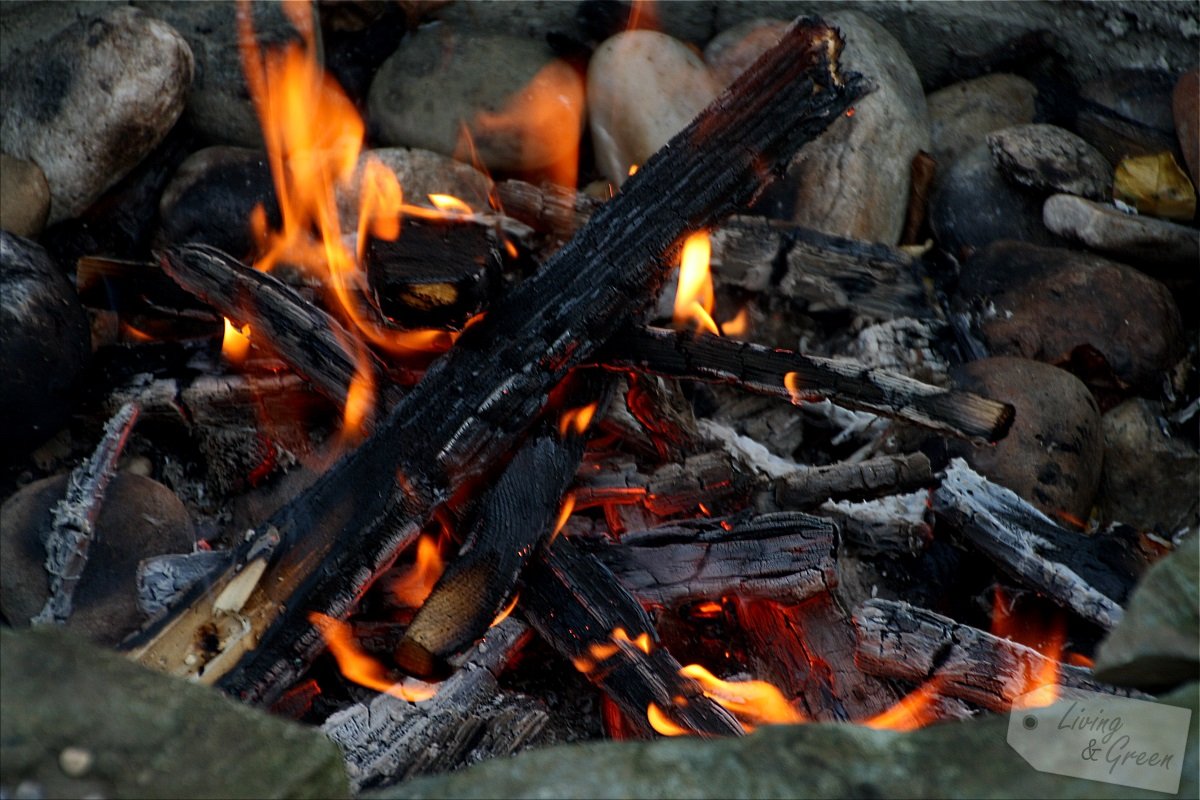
360,668
694,298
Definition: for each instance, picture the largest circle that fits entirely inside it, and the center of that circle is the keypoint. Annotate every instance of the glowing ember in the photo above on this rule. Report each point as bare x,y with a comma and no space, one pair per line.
360,668
915,710
577,419
694,297
236,343
414,586
360,402
564,513
658,720
752,702
1042,674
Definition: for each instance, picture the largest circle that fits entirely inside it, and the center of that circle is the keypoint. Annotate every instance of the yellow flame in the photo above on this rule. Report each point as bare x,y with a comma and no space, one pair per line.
235,344
752,702
577,418
694,297
658,720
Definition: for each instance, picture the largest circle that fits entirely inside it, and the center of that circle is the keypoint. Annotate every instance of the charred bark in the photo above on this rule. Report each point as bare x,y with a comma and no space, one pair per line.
812,486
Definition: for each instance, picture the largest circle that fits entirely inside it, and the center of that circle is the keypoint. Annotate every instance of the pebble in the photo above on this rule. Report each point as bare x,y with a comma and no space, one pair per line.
1185,106
962,114
44,347
211,198
219,104
1144,242
1128,113
75,762
1052,454
1054,304
973,206
854,179
643,88
140,518
523,108
1047,158
734,49
1149,477
24,197
93,102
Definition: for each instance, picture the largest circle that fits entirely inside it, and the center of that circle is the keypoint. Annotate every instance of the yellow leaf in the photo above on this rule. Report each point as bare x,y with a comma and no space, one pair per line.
1155,185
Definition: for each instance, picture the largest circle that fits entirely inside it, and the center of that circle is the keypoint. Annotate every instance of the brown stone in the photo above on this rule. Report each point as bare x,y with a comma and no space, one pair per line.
1185,103
24,197
1052,454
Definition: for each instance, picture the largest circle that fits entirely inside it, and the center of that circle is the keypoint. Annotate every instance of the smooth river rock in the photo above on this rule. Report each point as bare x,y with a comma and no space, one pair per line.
854,179
523,108
24,197
1150,244
734,49
93,102
1047,158
962,114
1053,452
643,88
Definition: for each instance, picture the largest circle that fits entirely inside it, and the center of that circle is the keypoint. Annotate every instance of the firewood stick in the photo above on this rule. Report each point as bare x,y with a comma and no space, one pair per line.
712,479
681,354
1083,574
783,556
74,517
894,525
576,604
474,402
812,486
898,640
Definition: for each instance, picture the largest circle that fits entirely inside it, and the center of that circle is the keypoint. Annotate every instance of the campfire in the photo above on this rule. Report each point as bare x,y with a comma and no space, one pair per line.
569,432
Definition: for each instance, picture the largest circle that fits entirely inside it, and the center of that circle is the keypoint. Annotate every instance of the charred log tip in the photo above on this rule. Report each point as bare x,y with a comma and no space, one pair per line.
1003,422
415,660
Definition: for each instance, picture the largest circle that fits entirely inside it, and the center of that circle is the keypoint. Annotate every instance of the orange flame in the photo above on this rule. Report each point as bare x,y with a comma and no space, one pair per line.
791,382
564,514
694,297
658,720
577,418
414,586
642,642
915,710
360,402
1042,674
752,702
504,613
235,344
739,325
362,669
450,205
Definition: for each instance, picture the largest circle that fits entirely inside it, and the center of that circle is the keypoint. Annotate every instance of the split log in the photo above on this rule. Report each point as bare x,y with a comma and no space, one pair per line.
1091,576
471,718
478,400
898,640
811,486
787,557
681,354
576,604
711,479
73,518
890,526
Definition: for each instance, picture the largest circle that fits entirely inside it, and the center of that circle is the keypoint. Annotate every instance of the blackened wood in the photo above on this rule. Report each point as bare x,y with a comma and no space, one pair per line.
73,518
898,640
895,525
217,400
712,479
681,354
471,718
576,604
1090,576
811,486
784,556
311,341
435,274
473,404
550,209
512,520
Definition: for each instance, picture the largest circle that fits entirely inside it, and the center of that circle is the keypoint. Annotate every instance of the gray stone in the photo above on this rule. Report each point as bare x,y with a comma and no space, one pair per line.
523,108
1052,304
148,735
1158,641
1047,158
962,759
93,102
854,179
962,114
643,88
420,173
44,346
24,197
1128,113
1150,477
1140,241
219,104
973,206
732,50
1053,452
140,518
26,25
1185,105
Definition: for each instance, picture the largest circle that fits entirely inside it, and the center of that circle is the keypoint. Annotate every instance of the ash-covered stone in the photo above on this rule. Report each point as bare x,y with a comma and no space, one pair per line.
1047,158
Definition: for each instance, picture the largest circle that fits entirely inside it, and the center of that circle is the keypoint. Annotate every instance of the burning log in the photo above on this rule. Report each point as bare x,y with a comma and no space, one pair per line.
801,378
1090,576
582,610
785,556
712,479
74,517
898,640
473,403
810,486
665,414
389,739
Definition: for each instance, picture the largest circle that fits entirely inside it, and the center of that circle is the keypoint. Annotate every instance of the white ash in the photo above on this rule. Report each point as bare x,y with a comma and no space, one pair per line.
905,346
750,453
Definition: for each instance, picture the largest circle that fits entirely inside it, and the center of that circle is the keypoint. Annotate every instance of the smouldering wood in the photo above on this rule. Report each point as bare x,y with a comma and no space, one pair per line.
712,479
811,486
1088,575
479,399
898,640
681,354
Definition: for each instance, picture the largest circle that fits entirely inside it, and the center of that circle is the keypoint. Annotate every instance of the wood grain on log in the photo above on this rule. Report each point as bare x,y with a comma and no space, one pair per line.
811,486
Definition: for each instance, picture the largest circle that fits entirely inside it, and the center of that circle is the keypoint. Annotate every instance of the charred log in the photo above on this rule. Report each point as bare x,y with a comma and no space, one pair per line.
812,486
895,525
711,479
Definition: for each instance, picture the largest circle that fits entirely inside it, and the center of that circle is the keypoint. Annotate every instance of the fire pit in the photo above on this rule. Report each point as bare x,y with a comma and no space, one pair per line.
456,386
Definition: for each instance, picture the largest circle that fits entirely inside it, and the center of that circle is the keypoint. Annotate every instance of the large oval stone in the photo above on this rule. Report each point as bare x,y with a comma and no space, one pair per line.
91,104
854,179
962,114
643,88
